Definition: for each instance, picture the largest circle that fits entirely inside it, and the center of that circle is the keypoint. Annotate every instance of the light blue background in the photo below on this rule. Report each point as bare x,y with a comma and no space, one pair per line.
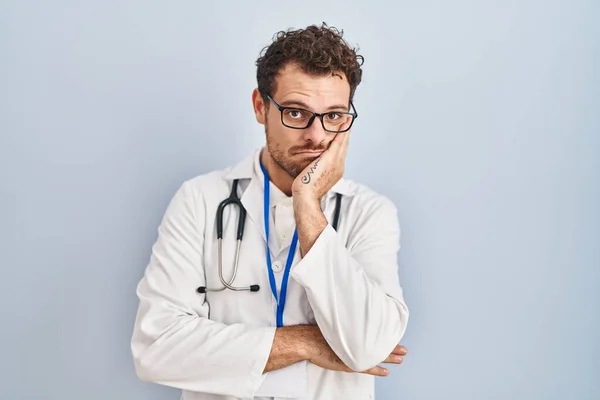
480,119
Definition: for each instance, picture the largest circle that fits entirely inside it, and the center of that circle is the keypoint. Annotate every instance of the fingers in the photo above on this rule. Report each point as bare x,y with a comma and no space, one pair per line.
394,359
339,148
345,140
400,350
397,355
340,141
377,371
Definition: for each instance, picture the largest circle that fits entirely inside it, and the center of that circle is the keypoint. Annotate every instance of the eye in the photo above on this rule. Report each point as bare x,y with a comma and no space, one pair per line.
294,113
333,116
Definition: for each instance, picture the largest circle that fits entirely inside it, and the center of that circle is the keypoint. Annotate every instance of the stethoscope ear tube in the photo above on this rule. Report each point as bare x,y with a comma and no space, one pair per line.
240,231
232,199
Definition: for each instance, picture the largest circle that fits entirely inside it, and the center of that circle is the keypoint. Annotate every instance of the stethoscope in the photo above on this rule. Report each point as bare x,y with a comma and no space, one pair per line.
234,199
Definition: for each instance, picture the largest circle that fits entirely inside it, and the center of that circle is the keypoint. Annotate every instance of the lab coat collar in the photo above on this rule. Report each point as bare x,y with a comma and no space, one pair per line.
249,170
245,169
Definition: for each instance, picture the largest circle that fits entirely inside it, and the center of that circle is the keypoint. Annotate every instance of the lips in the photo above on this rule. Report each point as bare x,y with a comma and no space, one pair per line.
310,153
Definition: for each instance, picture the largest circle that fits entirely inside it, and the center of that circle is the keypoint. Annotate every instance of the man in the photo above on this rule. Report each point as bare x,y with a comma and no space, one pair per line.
314,306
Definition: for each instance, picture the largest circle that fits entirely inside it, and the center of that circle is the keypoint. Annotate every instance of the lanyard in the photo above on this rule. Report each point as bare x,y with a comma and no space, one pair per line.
281,299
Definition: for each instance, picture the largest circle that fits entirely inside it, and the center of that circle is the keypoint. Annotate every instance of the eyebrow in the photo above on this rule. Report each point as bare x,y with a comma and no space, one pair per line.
292,103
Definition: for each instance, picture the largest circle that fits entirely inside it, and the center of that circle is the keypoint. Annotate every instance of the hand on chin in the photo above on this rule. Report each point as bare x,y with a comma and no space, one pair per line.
323,172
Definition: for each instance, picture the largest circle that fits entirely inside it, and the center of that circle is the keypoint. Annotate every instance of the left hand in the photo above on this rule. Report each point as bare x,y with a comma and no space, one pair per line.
324,172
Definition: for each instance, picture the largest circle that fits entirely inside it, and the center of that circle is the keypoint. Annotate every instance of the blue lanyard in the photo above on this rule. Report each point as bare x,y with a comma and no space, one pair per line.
288,265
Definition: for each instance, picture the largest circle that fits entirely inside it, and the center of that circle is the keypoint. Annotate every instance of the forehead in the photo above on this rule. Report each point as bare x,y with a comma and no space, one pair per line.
319,91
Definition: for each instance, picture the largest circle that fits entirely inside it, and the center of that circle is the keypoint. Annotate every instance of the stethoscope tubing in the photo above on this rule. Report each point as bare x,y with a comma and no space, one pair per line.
234,199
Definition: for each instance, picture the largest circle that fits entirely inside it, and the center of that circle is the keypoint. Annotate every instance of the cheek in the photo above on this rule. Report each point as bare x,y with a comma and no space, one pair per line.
282,138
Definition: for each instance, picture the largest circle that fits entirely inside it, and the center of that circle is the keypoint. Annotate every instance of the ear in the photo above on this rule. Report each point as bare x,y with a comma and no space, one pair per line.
259,107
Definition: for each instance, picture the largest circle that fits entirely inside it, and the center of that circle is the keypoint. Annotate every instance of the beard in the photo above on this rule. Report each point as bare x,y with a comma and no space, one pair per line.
283,161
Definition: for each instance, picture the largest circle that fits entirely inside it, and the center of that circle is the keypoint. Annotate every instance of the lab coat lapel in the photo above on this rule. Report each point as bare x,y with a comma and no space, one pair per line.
253,199
252,196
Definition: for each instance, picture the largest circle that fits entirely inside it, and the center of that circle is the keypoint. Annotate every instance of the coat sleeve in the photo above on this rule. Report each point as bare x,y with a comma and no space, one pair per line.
174,343
355,292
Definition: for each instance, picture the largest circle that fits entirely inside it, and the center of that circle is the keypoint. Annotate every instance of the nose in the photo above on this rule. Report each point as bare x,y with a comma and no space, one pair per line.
315,132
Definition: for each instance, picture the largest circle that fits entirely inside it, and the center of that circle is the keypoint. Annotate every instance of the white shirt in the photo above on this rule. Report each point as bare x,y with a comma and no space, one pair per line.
216,345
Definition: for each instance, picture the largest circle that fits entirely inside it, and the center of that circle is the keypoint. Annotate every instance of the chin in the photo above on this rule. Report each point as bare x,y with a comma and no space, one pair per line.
295,168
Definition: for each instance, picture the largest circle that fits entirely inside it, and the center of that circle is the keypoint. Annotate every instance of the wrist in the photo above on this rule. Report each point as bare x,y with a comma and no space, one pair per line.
306,201
306,342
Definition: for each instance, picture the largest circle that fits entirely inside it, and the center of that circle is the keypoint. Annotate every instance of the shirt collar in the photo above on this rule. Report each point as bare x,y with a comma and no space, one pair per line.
249,168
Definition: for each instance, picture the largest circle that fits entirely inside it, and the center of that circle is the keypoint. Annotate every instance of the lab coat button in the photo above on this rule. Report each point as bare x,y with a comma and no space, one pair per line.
277,267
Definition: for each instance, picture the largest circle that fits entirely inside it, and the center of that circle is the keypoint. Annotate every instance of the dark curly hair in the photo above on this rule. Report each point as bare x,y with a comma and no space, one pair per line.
318,50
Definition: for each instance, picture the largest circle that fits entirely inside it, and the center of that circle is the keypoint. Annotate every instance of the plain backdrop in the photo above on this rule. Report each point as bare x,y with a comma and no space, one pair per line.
480,119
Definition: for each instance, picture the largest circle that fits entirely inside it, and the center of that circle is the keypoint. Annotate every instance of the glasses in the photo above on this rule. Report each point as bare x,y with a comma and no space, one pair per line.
333,121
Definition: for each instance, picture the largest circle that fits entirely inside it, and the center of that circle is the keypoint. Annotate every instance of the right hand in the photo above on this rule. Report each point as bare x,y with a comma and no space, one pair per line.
319,353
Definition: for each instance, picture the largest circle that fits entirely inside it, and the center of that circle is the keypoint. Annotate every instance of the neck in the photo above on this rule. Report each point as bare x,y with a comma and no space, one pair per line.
277,175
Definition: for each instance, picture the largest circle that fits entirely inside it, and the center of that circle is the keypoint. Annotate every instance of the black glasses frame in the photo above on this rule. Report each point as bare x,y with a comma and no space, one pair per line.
315,115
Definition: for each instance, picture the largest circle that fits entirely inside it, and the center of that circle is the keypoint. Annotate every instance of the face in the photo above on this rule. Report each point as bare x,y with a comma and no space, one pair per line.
294,149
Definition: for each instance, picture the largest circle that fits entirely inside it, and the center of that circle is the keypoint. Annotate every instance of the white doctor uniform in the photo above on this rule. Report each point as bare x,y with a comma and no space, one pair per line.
216,345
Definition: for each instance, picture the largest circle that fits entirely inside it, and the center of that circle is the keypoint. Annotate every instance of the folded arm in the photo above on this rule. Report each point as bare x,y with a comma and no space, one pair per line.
355,293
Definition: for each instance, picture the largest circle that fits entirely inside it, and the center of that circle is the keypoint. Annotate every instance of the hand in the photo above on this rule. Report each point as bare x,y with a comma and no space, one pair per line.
320,354
324,172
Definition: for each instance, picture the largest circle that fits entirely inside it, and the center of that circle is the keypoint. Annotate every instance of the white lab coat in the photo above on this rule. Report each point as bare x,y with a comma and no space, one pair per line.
215,345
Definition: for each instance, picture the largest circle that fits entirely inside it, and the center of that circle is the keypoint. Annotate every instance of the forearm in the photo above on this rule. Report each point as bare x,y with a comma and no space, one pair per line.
291,344
302,343
310,221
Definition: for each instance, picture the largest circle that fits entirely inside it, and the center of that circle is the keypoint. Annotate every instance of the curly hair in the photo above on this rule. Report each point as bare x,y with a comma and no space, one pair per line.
318,50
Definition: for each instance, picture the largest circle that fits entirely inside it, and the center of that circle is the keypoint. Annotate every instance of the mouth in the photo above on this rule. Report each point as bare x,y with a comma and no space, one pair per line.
310,153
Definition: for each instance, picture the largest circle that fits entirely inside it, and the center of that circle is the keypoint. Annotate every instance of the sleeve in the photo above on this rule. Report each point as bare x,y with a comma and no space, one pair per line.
355,293
174,343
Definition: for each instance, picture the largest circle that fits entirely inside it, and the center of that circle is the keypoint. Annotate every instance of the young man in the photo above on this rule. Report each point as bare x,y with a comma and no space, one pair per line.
308,305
